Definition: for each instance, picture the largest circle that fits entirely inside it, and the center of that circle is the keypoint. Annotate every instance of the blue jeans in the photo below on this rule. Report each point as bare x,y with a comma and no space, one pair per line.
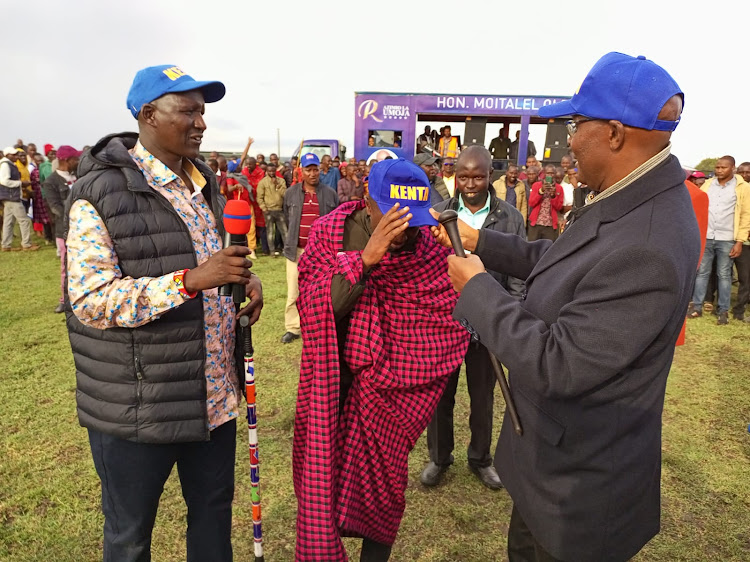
133,477
718,249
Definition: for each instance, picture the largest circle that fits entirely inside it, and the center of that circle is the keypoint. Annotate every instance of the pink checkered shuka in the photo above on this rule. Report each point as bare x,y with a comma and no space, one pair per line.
351,471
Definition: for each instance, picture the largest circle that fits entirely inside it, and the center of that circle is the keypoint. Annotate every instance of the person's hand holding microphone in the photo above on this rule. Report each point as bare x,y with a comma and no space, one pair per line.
460,268
229,268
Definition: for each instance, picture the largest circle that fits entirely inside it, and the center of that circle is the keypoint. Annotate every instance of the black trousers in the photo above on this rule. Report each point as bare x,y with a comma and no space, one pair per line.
713,284
133,477
742,263
373,551
537,232
522,546
480,379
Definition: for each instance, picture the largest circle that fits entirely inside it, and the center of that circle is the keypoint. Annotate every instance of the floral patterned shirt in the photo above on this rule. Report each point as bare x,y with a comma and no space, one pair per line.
102,298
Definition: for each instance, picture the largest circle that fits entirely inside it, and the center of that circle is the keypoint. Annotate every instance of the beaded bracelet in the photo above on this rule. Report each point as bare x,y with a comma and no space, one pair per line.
179,282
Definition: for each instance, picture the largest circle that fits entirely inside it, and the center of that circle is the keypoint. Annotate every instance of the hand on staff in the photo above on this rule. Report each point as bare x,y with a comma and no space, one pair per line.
469,236
461,270
391,226
254,291
227,266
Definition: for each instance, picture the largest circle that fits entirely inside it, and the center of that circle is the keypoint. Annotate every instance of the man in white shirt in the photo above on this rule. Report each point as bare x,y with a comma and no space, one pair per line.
10,198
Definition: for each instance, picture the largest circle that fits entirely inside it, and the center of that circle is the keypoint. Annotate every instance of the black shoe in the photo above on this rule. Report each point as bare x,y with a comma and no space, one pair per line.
488,476
60,308
289,337
739,317
433,474
723,318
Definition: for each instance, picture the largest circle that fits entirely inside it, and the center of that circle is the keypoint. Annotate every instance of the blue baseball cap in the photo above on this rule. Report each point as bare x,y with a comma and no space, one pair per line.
309,159
155,81
401,181
632,90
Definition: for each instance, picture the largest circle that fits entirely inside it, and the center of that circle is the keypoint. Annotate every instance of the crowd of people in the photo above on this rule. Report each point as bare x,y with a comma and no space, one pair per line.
33,192
546,193
34,186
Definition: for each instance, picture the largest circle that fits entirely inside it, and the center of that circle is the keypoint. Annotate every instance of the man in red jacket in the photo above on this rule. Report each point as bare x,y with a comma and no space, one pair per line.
254,174
545,200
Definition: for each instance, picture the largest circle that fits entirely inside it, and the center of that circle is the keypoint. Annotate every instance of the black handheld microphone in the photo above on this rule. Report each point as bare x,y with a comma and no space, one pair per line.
238,218
449,220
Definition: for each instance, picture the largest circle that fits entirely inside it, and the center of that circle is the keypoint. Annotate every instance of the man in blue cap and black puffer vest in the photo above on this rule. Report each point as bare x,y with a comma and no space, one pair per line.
153,341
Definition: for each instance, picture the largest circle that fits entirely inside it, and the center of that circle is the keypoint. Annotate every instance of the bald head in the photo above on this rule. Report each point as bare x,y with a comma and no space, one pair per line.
477,154
473,172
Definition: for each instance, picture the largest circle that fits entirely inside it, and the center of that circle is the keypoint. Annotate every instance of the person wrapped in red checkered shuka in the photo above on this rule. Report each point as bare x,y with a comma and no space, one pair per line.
379,344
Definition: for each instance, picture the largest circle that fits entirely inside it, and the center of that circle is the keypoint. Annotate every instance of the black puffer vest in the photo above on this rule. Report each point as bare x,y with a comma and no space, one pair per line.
143,384
11,193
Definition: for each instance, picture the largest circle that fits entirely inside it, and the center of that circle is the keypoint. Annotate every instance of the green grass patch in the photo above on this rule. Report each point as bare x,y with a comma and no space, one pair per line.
50,496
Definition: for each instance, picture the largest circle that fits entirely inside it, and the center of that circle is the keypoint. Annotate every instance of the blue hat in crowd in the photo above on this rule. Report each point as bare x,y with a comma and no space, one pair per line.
632,90
155,81
309,159
401,181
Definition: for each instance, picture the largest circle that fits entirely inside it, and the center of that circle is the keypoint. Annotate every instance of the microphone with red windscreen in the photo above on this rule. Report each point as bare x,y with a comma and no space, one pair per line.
238,218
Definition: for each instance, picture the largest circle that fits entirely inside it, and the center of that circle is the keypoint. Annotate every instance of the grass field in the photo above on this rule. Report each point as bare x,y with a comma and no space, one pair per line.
49,492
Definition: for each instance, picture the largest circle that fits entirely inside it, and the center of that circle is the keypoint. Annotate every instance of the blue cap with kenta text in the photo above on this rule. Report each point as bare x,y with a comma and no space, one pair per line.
403,182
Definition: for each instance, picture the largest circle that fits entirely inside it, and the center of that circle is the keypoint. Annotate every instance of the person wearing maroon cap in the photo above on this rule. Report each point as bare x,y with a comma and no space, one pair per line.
56,189
698,178
50,164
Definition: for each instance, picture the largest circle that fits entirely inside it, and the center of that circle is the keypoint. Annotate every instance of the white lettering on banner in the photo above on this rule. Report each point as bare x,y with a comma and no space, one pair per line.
396,111
518,104
451,102
492,103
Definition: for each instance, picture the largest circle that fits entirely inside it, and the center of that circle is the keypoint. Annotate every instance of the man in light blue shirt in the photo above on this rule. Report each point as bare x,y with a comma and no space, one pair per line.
480,208
475,219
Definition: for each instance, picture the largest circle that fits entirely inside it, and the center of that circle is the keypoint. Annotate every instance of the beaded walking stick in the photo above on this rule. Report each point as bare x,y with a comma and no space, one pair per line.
252,427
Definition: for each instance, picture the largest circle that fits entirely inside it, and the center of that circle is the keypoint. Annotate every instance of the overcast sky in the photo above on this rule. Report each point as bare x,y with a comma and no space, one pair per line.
296,65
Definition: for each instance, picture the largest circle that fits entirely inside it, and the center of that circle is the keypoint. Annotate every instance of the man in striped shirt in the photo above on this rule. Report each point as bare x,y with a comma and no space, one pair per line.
303,203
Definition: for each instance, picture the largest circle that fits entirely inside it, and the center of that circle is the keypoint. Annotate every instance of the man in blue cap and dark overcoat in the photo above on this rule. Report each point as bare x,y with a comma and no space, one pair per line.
589,348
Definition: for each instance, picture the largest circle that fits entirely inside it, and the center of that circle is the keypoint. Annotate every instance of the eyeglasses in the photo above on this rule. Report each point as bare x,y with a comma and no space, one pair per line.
573,125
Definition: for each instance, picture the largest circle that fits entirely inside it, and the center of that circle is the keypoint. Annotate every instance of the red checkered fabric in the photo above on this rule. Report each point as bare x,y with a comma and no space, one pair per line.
351,471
